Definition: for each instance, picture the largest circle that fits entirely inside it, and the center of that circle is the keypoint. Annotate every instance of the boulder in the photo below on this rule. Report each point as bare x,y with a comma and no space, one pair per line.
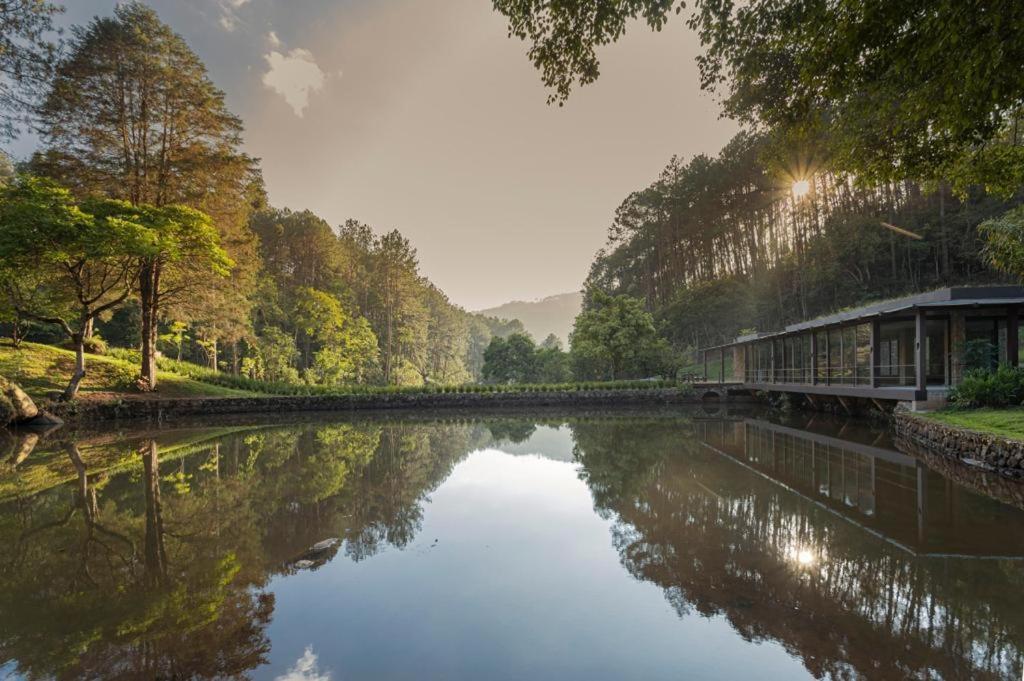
15,405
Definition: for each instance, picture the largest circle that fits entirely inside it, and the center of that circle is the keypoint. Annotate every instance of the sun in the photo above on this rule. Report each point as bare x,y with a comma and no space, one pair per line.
801,188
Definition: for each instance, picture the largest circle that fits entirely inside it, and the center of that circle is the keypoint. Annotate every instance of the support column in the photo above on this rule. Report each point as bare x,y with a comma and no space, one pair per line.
920,355
721,367
771,374
828,357
1012,345
814,358
705,355
876,346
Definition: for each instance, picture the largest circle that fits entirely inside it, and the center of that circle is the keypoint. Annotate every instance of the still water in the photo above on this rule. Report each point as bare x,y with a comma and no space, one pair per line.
640,545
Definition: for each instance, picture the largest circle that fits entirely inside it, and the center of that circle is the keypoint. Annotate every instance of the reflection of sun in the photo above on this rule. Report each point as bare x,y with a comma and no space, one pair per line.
803,556
801,188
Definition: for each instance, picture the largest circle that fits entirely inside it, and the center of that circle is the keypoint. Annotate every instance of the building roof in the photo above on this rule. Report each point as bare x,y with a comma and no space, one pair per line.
952,297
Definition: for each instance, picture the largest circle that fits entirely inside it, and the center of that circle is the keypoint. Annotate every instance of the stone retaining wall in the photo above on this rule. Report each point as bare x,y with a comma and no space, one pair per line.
171,408
991,452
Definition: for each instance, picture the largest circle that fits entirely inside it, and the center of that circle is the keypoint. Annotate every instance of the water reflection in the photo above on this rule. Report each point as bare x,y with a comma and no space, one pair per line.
838,594
165,554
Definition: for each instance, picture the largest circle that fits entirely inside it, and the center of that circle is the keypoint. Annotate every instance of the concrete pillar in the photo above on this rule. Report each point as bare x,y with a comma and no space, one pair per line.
705,354
876,347
957,345
814,358
721,367
828,357
1012,350
920,355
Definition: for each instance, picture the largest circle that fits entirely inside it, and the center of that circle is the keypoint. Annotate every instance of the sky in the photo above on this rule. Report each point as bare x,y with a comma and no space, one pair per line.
428,118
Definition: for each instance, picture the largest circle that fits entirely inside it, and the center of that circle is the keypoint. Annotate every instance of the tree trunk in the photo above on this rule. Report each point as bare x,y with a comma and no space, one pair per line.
16,335
155,553
149,281
76,378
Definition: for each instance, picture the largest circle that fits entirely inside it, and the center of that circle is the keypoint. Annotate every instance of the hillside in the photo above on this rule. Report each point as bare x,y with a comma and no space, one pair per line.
41,369
554,314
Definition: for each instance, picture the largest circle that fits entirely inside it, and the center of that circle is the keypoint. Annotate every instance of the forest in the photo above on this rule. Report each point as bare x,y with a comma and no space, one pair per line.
141,224
881,153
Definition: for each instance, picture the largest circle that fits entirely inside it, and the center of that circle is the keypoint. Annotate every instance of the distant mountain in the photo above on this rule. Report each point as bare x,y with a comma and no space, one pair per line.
554,314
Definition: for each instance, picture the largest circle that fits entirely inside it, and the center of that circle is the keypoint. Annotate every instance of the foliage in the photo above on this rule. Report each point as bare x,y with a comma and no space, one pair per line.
510,360
897,90
131,114
26,57
62,265
615,338
42,369
1004,242
712,246
985,388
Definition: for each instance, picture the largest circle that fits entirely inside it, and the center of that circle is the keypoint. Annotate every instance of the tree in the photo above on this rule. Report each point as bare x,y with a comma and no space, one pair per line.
26,57
551,364
613,338
1004,242
274,358
176,337
132,114
180,248
399,317
62,265
902,89
348,347
511,360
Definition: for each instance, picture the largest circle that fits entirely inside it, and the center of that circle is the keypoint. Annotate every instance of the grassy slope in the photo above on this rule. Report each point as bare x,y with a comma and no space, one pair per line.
39,369
1004,422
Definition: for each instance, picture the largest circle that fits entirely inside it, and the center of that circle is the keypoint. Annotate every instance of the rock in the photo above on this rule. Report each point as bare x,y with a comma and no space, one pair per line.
44,419
15,405
324,545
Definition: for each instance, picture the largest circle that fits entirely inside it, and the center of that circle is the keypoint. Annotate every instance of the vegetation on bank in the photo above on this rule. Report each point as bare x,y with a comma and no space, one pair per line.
40,369
1006,422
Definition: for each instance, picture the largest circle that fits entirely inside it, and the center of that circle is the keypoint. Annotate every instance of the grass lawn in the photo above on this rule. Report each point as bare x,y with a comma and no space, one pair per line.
1007,422
40,369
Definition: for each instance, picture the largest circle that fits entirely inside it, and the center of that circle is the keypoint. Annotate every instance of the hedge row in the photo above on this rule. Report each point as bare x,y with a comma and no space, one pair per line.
206,375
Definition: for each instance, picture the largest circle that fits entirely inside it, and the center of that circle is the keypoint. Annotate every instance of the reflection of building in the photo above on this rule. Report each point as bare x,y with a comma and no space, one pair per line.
859,475
911,348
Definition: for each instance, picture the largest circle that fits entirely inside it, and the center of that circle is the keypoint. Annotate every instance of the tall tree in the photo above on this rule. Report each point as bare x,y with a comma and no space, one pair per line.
62,265
399,318
614,338
27,54
181,249
132,114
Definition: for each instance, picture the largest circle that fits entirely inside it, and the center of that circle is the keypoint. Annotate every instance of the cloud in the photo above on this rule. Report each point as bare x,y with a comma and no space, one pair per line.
306,668
229,13
273,39
294,76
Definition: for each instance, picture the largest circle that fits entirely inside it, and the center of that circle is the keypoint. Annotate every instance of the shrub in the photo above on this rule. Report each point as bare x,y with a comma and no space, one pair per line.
93,346
1000,388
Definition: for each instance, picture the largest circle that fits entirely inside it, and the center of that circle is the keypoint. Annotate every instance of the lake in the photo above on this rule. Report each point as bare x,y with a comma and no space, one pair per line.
666,544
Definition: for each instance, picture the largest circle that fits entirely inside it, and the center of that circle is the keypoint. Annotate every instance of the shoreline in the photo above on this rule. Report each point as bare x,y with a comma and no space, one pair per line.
169,409
916,434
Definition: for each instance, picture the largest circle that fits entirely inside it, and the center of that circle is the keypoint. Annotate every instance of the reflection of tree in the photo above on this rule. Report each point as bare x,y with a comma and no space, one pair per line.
79,601
512,430
722,542
386,501
156,571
